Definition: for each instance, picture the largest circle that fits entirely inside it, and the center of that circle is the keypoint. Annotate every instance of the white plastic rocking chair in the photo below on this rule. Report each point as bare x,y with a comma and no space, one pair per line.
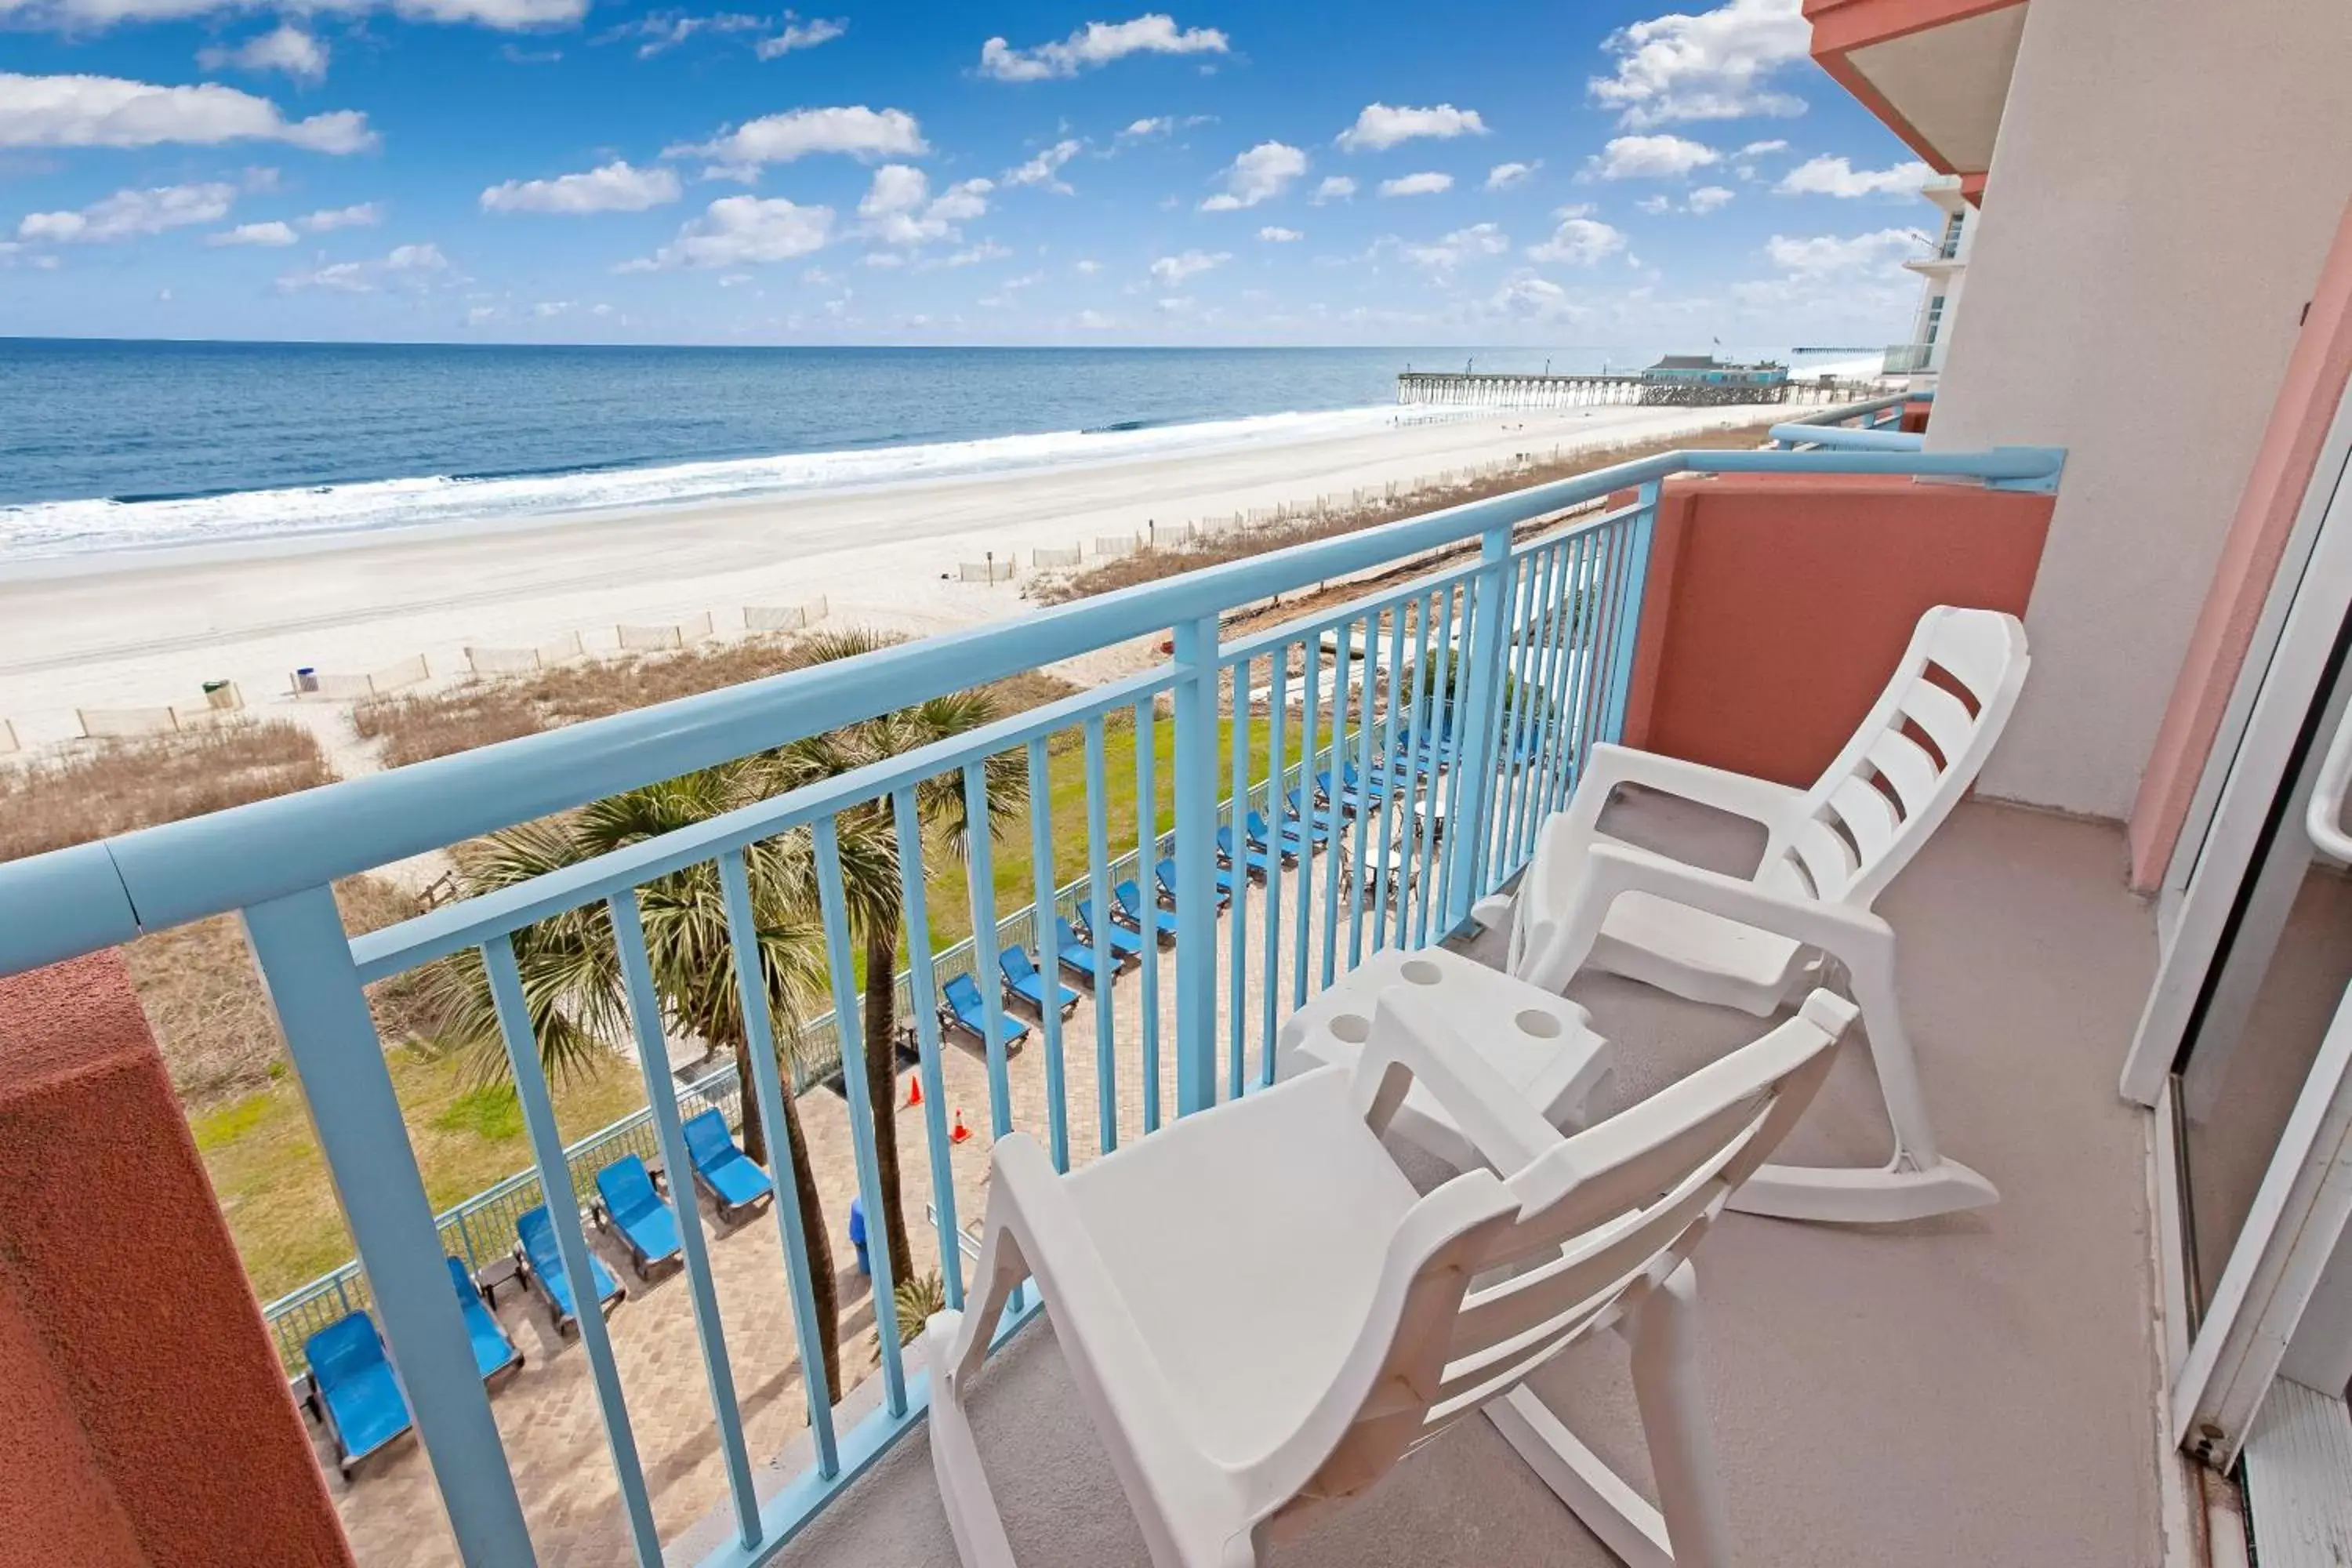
1262,1317
1758,944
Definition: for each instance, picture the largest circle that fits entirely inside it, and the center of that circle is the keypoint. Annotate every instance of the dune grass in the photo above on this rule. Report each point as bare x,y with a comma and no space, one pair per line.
117,785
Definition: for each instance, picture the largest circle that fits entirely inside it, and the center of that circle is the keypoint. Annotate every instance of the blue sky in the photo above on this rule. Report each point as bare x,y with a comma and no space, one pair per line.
557,170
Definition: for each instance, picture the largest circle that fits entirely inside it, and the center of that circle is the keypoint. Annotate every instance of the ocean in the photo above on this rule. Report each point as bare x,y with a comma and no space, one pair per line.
108,445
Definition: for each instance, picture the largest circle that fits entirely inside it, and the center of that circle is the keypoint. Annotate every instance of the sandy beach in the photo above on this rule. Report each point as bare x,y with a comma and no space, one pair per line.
134,629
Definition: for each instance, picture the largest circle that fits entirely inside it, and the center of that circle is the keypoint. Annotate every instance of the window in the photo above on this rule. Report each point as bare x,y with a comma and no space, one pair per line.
1935,319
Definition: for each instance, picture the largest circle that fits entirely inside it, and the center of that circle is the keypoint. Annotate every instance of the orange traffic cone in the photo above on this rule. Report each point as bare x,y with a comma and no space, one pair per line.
914,1092
959,1132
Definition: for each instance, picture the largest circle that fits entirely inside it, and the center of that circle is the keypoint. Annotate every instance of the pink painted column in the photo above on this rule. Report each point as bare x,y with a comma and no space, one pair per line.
145,1419
2306,407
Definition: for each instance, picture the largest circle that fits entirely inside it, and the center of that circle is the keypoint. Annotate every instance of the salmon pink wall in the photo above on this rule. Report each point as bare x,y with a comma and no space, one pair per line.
1776,607
2305,405
143,1416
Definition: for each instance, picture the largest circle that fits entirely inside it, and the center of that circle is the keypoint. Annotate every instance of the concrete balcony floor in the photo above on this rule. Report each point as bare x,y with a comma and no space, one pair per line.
1978,1389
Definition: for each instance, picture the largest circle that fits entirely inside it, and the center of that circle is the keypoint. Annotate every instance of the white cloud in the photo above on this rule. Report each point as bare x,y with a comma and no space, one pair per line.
407,265
1422,184
1714,65
1835,253
365,215
665,30
1509,176
1334,188
1098,44
256,234
1758,149
742,231
1707,198
1045,168
548,309
1379,126
1578,241
110,111
900,209
856,130
1170,271
1086,267
1524,295
1837,177
986,250
615,187
128,215
799,34
1654,205
86,15
1463,245
1653,158
882,258
1273,234
1266,170
289,49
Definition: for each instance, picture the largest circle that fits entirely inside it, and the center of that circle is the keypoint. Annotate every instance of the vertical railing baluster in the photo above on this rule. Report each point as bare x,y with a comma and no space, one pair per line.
1342,670
1367,706
914,900
1490,643
833,907
1589,631
1396,767
1602,656
661,1095
1237,824
306,963
1196,860
979,876
1147,855
1510,748
1562,621
1629,634
1049,967
1437,645
1310,647
768,1091
1106,962
1277,812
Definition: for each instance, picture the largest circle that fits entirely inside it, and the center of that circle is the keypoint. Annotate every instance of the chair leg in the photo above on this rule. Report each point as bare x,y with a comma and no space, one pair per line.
1917,1181
1664,1333
957,1342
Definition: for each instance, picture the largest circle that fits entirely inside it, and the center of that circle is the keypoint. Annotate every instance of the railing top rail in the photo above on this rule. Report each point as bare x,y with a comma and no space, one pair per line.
92,896
1841,411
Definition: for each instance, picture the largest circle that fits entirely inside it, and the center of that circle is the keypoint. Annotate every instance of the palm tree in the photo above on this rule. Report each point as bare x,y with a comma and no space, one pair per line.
874,905
571,971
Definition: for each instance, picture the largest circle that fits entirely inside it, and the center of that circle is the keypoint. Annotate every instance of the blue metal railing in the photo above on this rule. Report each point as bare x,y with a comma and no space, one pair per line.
1450,713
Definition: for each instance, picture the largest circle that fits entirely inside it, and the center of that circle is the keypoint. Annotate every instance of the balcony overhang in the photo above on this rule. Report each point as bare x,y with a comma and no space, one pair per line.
1936,72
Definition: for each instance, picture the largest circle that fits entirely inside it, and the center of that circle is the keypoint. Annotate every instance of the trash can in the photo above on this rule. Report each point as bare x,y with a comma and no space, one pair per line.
858,1237
306,678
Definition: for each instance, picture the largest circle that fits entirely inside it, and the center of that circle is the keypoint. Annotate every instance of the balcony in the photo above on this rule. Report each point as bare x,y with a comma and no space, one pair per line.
1970,1389
1908,359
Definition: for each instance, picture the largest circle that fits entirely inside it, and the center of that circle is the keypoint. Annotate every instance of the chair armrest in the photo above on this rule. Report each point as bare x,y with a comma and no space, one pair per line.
1092,1321
1411,1043
1611,870
1759,800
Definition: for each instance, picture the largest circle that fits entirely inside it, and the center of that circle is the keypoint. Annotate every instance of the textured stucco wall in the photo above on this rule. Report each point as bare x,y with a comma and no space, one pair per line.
154,1425
1776,607
2167,180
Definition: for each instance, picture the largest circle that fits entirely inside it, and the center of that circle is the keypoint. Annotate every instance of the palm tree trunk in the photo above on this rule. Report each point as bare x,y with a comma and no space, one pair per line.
882,1092
820,1245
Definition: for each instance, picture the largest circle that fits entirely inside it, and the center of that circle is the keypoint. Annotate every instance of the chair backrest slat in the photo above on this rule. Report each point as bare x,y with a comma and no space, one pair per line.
1909,762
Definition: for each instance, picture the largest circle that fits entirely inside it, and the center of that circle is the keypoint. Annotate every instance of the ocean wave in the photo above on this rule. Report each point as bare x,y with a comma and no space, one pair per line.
46,529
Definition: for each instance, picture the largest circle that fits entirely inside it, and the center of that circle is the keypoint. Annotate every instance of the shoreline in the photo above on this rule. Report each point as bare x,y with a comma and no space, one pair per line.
145,629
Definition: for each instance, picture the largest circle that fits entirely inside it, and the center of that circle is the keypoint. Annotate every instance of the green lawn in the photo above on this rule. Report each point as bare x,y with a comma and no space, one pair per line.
272,1182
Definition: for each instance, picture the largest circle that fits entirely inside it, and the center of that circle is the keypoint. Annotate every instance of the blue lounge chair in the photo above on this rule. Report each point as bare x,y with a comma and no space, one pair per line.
543,1266
1350,800
1128,899
1076,953
734,1181
626,1202
1022,980
1252,859
354,1389
1375,789
495,1355
1305,820
1124,944
1166,873
966,1011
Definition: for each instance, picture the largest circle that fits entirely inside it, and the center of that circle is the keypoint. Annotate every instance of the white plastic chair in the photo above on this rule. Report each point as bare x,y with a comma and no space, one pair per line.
1759,943
1262,1317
